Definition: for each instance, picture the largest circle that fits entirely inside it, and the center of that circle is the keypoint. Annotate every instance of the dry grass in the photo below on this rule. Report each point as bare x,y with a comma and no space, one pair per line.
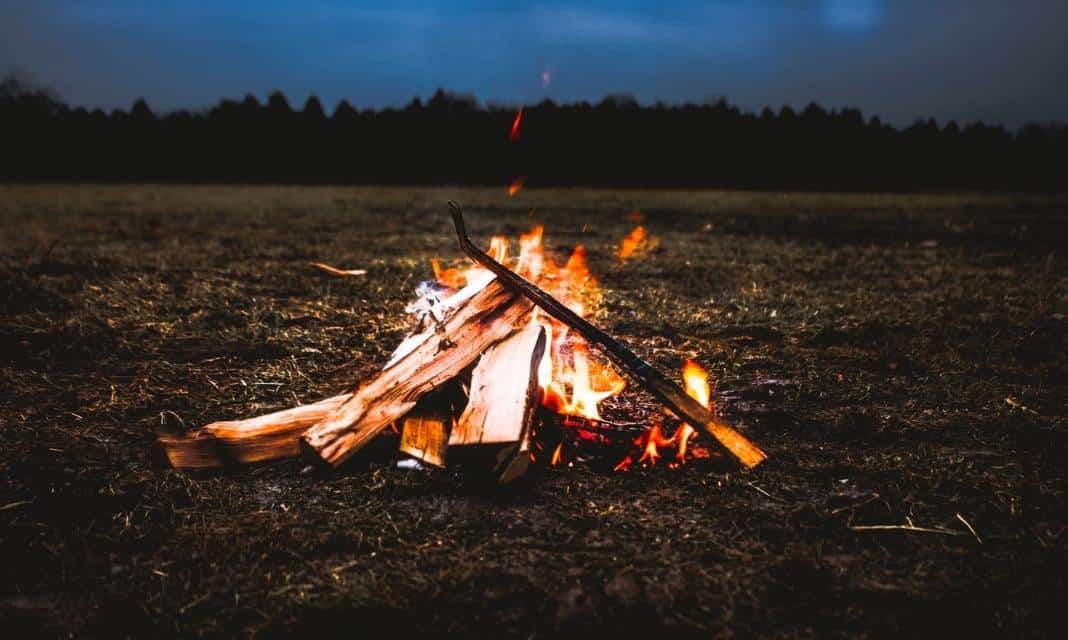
900,357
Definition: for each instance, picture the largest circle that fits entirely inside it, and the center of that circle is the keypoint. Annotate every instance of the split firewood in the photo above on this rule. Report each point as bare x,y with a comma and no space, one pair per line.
503,401
425,431
504,391
437,354
267,437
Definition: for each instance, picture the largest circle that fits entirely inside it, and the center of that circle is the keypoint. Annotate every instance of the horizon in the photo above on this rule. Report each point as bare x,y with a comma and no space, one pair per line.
901,62
330,110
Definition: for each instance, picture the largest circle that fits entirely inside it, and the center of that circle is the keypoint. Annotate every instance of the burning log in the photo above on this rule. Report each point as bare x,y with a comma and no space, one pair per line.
644,373
267,437
429,359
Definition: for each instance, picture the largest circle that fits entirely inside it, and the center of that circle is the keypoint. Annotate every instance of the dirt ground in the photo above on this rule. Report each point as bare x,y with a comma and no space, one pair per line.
900,358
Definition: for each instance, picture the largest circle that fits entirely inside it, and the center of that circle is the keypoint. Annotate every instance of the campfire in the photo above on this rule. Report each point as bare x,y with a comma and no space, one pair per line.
501,360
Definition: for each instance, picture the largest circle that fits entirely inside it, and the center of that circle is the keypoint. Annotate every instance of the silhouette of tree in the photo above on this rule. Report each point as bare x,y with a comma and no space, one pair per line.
451,139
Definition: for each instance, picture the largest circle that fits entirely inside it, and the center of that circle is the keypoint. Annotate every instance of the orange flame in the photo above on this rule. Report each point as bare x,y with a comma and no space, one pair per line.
573,382
513,134
514,187
557,455
697,387
632,243
652,441
458,277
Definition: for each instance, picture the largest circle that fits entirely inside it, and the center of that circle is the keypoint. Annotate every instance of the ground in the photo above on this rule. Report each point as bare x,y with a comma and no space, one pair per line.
901,358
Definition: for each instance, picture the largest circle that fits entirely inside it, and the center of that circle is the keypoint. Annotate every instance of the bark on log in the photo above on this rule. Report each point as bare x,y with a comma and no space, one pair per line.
442,352
267,437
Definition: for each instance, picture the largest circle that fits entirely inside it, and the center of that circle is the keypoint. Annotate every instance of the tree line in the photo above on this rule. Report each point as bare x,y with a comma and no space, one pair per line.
451,139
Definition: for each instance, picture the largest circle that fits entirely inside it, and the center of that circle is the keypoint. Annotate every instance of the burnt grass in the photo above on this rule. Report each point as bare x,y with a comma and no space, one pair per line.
900,357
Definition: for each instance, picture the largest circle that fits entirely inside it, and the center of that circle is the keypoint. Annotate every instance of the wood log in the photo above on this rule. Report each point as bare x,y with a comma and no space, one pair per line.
425,431
504,391
267,437
440,353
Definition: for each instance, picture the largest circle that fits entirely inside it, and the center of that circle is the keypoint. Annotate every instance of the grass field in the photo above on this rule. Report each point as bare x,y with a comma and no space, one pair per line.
901,358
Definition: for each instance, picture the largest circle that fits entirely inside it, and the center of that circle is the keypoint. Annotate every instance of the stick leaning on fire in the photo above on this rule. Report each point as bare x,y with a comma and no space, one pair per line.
662,387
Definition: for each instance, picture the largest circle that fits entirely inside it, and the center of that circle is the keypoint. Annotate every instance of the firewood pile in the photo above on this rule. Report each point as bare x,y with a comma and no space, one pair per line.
484,369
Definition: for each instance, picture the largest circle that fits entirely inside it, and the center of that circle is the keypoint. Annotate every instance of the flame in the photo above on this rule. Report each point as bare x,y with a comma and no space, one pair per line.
514,187
458,277
513,133
572,380
557,455
696,381
631,243
654,438
652,442
636,243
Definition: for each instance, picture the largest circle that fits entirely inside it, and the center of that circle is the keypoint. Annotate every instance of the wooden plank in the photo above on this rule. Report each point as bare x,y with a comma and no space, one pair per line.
425,431
267,437
504,391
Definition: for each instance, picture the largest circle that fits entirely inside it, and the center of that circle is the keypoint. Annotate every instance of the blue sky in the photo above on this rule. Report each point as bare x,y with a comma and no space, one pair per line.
994,60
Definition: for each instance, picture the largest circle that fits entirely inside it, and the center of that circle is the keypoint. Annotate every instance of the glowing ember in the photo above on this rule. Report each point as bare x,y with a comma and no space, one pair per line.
513,133
514,188
557,455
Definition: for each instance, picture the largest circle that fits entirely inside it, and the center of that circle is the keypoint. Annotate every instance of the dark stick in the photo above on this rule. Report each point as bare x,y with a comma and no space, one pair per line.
644,373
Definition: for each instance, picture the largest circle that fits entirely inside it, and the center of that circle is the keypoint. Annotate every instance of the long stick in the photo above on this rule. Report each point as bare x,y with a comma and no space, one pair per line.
650,378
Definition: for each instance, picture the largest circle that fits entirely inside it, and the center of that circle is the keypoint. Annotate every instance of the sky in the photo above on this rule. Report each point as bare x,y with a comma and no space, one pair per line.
1000,61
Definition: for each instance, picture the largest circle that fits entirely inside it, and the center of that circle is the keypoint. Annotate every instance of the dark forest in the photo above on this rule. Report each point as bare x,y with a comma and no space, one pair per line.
452,139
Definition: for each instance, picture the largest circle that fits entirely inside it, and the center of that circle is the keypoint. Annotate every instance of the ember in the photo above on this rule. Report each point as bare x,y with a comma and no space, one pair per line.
513,133
515,186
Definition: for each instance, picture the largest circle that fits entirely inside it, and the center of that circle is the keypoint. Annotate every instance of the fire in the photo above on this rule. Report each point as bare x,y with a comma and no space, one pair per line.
636,243
696,382
513,134
458,277
631,243
573,382
652,442
514,187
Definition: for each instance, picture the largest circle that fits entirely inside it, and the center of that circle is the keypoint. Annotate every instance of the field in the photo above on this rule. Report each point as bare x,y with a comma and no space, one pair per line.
900,357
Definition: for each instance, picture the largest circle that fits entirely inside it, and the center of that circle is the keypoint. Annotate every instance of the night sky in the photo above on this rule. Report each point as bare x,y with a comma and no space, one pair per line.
994,60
